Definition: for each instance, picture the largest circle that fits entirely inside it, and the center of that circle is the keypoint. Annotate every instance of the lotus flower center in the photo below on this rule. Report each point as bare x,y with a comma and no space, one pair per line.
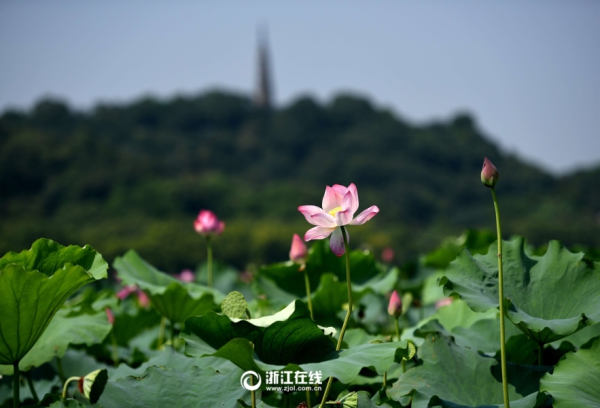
334,211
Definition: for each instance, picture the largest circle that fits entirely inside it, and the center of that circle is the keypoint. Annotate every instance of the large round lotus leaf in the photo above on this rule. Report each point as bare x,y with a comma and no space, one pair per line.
172,298
575,382
549,297
33,286
451,376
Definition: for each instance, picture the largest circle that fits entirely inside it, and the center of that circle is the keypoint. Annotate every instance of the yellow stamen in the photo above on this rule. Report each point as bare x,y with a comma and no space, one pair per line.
334,211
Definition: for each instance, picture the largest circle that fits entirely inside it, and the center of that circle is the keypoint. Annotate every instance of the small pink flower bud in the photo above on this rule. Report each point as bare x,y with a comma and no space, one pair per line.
443,302
489,173
207,223
395,305
143,298
186,276
110,316
126,291
298,250
387,255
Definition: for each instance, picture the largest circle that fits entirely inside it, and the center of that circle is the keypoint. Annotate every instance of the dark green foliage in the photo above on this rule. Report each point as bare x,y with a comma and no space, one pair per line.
135,176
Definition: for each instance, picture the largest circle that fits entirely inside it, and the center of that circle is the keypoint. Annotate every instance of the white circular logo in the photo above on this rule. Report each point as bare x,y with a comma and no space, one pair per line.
245,381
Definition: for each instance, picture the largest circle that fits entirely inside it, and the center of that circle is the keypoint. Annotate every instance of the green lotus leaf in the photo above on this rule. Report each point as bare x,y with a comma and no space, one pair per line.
172,298
34,284
197,387
548,297
451,376
289,336
574,382
62,331
344,365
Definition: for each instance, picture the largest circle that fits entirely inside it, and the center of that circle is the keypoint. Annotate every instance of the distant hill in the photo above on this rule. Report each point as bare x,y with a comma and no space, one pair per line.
135,176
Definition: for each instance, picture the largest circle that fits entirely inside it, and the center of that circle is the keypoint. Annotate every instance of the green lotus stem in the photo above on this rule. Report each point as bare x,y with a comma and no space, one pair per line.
115,350
252,394
307,284
31,387
161,332
398,334
209,259
16,388
64,394
348,314
384,379
501,300
61,371
308,399
172,333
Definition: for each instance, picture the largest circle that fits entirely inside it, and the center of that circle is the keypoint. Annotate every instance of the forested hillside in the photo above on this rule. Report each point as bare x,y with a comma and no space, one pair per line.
135,176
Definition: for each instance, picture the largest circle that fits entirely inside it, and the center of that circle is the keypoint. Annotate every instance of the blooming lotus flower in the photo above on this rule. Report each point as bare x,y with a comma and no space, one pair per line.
395,305
489,173
339,205
207,223
298,250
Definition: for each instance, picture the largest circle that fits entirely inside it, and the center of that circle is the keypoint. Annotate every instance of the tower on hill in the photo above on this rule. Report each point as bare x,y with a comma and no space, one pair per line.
264,91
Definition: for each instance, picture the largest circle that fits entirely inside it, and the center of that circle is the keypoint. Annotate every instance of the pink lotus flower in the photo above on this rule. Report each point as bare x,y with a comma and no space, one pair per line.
395,305
207,223
186,276
339,205
126,291
143,299
298,250
489,173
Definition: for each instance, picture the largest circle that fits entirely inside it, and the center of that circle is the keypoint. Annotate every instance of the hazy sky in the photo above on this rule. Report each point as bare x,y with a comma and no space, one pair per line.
529,71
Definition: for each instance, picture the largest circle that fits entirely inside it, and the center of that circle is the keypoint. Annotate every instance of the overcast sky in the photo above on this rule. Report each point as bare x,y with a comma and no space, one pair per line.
529,71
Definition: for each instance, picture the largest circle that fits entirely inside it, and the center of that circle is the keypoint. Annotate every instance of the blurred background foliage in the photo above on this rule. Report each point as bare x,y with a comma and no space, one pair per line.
135,176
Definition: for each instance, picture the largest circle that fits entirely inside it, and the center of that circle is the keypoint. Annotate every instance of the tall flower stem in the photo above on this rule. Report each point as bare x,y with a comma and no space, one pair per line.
16,388
307,284
398,334
31,387
161,332
209,259
348,314
501,300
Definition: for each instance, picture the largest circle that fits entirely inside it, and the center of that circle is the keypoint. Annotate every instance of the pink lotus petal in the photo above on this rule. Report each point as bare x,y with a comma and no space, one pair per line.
352,189
340,189
126,291
332,199
186,276
336,243
366,215
343,217
318,233
207,223
143,299
110,315
316,216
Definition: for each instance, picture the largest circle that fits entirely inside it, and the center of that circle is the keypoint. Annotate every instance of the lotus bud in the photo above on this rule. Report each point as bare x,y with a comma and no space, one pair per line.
207,223
110,316
395,305
187,276
489,173
298,251
143,299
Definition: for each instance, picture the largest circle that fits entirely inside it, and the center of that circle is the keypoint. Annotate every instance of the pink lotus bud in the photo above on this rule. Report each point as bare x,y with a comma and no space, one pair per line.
387,255
207,223
110,316
126,291
489,173
443,302
298,251
187,276
143,298
395,305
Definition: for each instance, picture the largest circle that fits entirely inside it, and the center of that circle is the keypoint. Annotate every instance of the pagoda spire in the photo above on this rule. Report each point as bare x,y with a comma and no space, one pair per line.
264,92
